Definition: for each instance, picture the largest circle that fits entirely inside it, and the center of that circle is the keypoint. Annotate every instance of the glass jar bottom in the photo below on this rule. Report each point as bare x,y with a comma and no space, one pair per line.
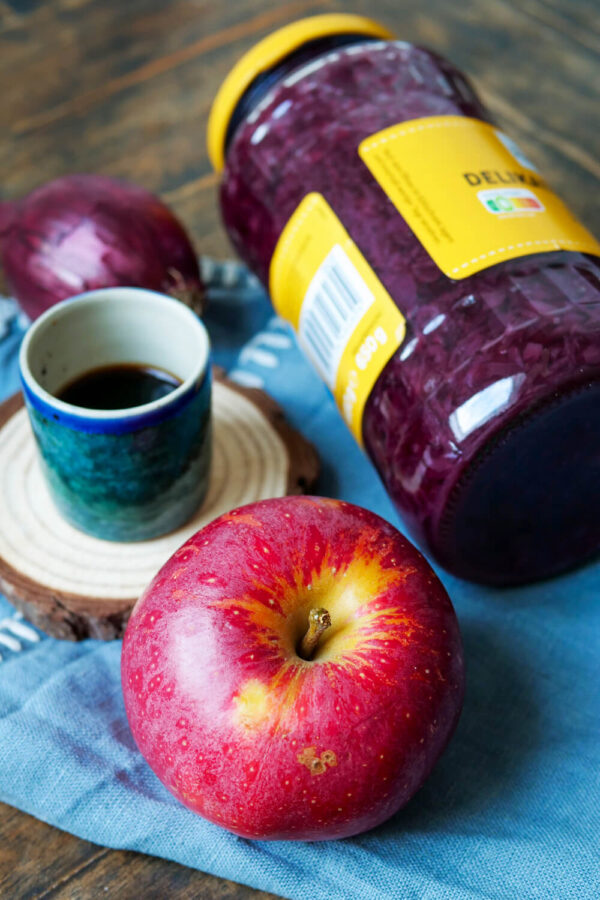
500,524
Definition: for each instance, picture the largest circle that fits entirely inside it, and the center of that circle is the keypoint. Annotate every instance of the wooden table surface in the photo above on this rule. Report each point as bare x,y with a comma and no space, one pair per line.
123,87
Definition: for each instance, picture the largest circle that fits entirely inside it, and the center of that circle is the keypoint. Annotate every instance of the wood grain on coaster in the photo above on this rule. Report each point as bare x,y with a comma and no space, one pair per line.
72,585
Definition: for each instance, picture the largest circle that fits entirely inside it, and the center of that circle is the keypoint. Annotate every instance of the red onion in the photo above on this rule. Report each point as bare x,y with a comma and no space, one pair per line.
82,232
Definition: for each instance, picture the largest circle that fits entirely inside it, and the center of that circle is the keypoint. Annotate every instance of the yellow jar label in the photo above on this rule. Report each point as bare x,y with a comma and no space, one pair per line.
346,322
469,194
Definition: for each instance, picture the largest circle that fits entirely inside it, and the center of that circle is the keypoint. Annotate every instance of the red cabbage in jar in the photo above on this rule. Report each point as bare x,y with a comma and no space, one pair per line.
484,424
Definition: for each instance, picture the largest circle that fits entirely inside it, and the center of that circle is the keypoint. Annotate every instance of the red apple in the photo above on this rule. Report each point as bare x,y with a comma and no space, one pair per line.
248,733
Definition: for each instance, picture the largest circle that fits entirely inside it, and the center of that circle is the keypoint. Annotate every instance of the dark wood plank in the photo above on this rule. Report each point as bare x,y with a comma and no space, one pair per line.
576,12
124,89
37,861
34,856
563,19
139,113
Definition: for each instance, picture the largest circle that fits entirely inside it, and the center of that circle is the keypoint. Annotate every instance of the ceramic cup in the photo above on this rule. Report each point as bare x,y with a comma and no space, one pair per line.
125,474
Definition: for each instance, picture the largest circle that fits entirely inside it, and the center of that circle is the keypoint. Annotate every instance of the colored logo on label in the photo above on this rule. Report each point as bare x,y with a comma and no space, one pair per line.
510,201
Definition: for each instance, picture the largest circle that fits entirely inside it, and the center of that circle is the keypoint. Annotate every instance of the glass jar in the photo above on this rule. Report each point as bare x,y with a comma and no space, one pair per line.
482,418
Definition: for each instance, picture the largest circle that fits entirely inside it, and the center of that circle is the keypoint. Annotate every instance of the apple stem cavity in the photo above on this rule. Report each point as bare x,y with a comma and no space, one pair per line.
319,621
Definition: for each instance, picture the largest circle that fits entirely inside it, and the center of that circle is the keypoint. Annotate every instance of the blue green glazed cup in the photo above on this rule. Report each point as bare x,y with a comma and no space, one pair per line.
121,474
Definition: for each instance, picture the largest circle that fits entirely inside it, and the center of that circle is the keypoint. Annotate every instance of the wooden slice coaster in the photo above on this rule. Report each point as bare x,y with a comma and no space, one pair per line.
75,586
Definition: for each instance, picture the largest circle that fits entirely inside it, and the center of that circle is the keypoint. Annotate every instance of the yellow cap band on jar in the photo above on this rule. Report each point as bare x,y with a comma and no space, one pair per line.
265,54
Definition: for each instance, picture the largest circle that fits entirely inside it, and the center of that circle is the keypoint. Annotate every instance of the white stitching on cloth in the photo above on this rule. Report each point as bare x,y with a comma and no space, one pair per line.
14,625
254,353
247,379
259,357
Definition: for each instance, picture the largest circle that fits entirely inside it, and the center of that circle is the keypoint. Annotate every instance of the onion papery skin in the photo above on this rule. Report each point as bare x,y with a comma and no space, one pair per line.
83,232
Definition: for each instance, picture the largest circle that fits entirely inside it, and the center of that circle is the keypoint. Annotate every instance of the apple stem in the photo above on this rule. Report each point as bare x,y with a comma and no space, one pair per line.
319,621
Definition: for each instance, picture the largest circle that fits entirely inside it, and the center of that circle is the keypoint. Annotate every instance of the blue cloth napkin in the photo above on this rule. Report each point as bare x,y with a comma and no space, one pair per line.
512,809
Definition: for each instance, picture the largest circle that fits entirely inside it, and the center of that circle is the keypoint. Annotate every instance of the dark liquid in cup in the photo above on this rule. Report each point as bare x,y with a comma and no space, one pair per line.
118,386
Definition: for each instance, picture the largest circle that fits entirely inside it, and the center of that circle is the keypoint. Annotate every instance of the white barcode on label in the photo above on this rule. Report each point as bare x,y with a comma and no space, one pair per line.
336,300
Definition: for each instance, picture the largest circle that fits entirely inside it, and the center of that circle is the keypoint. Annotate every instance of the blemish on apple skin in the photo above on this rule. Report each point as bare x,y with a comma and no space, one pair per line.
307,755
317,765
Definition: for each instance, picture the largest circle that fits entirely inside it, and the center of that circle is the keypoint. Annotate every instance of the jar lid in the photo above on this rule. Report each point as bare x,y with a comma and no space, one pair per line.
265,54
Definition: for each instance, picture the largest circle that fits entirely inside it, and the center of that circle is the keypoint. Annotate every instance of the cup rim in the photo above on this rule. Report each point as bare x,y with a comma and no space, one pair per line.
83,413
